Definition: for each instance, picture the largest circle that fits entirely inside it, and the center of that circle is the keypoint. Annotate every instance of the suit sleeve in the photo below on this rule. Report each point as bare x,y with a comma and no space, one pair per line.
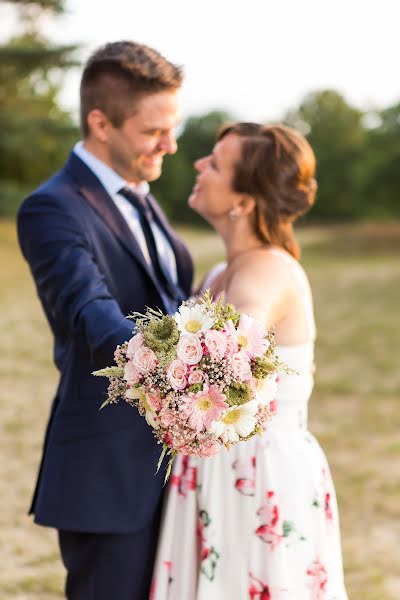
70,285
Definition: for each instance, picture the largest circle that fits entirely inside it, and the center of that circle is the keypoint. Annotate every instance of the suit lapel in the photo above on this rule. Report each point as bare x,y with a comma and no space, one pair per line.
95,194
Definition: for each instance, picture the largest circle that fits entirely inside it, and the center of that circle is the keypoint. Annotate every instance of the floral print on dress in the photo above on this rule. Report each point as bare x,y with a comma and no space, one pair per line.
317,580
209,556
167,564
186,479
272,529
245,475
258,590
323,496
259,535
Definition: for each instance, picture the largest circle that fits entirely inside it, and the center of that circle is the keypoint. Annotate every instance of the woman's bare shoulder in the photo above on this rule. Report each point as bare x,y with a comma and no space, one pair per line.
260,284
263,267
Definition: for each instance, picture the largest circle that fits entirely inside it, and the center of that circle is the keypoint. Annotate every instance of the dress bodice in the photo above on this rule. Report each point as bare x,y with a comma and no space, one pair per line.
294,389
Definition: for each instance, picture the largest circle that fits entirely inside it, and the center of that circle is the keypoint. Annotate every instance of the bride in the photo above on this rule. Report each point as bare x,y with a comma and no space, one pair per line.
259,521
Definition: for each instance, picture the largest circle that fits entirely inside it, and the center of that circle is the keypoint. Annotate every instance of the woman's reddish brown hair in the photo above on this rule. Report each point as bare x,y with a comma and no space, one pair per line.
277,168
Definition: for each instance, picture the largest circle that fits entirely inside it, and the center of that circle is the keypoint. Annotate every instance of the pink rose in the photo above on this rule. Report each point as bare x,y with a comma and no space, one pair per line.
216,342
131,374
195,376
144,360
168,418
189,349
176,374
134,344
240,367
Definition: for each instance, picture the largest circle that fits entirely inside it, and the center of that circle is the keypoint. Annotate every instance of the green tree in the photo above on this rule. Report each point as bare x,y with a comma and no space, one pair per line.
336,132
36,132
381,184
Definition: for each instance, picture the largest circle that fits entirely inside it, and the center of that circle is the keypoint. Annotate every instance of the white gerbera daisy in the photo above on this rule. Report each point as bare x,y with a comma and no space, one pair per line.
193,319
237,422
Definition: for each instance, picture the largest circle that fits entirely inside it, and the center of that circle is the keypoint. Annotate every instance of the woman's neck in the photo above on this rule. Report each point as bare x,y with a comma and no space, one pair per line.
239,239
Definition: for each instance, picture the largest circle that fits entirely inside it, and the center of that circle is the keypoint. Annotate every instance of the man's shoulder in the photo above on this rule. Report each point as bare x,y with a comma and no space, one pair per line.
58,190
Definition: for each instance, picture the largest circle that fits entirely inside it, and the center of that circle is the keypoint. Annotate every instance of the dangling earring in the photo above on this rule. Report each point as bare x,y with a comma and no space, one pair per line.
233,215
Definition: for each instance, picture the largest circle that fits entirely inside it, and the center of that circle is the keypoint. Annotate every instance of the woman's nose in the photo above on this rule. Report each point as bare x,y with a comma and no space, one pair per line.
200,163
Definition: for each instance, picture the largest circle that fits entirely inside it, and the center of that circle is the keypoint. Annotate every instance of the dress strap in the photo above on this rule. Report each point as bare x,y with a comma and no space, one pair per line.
304,286
212,275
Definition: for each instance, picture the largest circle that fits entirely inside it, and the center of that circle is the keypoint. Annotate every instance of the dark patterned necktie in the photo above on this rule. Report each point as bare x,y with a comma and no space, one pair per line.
160,268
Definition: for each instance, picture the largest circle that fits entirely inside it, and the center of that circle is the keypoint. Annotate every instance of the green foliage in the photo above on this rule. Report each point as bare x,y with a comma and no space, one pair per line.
357,164
36,133
337,136
109,372
195,387
161,335
262,367
381,187
56,6
237,393
357,153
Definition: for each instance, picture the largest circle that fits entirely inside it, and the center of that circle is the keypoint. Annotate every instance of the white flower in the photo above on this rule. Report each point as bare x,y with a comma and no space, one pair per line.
193,319
151,414
134,393
266,390
237,422
146,403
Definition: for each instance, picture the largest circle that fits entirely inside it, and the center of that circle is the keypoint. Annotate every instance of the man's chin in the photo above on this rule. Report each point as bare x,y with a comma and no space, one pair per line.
152,174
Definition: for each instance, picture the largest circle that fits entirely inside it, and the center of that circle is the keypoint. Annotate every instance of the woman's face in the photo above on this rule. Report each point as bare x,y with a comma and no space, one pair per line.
212,195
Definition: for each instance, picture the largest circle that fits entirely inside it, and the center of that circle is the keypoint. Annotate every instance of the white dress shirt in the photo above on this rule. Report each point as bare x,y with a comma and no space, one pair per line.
112,183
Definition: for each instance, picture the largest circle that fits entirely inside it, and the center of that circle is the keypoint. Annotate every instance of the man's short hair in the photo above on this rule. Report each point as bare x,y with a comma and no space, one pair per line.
119,74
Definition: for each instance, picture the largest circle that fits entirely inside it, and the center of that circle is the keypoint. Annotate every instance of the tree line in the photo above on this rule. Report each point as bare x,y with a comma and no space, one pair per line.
358,152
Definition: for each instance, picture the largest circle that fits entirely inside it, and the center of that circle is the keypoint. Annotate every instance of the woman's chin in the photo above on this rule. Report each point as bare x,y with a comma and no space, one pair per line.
193,203
195,206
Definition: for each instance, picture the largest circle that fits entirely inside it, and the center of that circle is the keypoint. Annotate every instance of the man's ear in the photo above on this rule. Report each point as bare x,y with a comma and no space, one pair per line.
98,124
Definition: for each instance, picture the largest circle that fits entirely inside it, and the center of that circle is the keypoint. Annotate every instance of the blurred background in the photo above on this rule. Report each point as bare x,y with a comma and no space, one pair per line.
329,71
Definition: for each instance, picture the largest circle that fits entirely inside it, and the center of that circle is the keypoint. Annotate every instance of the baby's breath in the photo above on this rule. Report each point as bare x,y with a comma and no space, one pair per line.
218,371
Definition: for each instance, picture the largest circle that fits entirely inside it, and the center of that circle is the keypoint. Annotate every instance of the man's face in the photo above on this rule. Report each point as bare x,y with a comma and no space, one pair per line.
136,148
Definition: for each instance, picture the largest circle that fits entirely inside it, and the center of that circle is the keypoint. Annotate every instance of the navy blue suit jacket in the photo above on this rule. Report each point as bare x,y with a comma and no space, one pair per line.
98,467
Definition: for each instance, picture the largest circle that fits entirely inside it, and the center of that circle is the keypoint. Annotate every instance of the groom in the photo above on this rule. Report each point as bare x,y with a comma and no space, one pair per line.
99,247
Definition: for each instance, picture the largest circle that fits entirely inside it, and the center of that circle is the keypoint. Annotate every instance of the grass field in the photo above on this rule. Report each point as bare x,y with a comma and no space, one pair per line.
354,412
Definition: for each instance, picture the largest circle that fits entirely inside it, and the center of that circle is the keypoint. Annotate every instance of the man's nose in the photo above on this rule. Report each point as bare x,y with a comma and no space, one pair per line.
168,143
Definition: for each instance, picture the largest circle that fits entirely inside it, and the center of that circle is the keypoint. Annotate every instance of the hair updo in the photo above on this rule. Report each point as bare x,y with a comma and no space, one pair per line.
276,167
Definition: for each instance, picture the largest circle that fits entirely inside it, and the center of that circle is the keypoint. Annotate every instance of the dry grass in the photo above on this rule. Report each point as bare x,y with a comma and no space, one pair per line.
355,273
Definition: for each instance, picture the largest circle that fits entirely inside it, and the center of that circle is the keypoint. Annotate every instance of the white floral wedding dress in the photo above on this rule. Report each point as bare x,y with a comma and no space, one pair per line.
258,522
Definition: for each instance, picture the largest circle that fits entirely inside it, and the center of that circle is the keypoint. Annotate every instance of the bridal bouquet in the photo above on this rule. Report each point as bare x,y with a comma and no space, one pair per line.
201,378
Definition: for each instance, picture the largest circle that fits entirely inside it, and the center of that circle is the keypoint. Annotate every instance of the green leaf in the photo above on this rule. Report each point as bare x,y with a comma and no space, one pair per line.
116,372
162,456
105,403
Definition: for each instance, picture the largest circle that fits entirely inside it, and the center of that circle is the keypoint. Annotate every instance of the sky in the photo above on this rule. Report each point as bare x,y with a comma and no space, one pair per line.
254,58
